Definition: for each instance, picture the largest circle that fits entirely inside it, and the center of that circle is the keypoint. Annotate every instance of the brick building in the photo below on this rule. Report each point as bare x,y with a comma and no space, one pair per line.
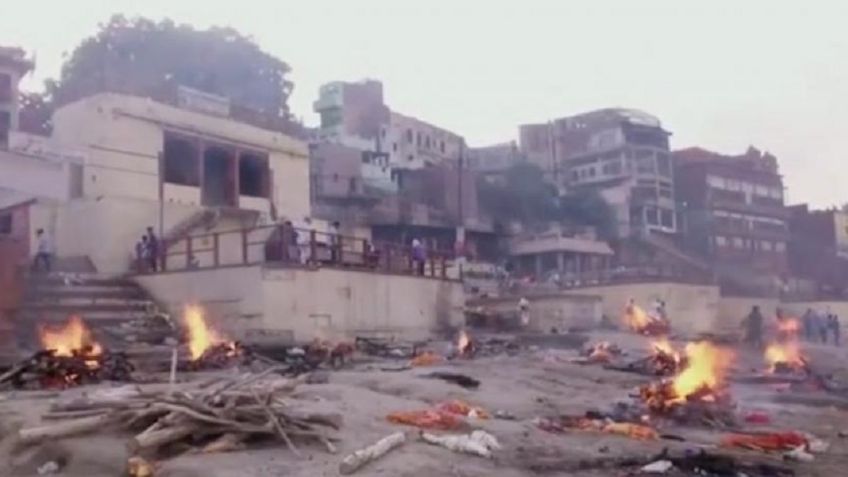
734,213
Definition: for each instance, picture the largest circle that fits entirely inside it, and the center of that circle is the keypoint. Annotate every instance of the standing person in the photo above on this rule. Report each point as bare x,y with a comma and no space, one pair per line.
808,319
335,242
823,326
754,327
141,254
418,256
152,249
304,242
524,311
44,251
836,327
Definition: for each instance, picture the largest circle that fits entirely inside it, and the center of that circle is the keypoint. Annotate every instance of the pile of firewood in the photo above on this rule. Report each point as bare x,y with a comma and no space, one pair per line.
226,415
46,369
704,407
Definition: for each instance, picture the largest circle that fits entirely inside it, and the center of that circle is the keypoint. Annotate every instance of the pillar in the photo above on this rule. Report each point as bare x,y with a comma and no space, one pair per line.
538,258
560,262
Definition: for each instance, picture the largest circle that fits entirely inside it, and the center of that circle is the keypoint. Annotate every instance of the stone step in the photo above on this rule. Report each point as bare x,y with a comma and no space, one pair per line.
82,309
83,301
85,292
79,279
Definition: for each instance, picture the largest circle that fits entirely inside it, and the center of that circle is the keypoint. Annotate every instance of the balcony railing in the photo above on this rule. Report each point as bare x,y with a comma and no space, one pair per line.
281,245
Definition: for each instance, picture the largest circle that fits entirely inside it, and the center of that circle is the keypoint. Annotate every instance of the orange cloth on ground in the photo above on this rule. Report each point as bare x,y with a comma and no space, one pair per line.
427,419
771,441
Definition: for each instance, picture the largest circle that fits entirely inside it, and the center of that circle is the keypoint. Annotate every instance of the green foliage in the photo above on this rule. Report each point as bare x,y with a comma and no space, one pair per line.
141,56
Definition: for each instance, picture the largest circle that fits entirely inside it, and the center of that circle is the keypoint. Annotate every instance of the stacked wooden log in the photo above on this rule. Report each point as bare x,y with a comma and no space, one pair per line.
228,415
46,369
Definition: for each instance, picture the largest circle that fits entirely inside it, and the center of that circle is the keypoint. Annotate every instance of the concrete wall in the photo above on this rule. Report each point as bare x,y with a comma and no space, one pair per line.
123,137
733,310
691,308
561,311
304,304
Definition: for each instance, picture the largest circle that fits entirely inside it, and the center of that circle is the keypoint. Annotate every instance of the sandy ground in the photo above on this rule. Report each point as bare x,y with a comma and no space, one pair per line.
532,384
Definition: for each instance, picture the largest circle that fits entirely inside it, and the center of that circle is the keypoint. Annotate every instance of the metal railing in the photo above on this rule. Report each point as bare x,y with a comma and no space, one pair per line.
287,246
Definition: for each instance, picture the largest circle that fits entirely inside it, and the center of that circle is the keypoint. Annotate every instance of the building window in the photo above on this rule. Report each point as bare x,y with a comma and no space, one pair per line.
5,87
575,175
738,242
394,147
442,146
427,142
181,161
651,216
766,246
779,247
663,165
410,158
254,175
418,139
720,241
6,224
666,218
409,136
383,133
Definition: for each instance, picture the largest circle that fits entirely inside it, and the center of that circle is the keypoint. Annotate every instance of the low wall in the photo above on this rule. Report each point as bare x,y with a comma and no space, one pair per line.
301,304
733,310
691,308
556,310
840,308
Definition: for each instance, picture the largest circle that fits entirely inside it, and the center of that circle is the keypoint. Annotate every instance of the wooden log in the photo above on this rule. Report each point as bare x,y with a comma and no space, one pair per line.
227,442
74,414
360,458
83,425
152,440
277,426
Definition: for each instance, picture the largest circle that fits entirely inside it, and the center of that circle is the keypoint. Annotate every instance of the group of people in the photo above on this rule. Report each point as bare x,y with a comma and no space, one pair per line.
147,252
816,327
819,326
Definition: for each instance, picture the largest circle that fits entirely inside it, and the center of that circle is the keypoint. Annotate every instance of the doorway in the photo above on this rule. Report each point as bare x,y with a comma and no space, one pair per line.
219,182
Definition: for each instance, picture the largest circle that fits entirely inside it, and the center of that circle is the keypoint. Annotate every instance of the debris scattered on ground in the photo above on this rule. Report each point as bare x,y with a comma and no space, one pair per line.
765,441
428,419
563,423
455,378
479,443
360,458
427,358
657,467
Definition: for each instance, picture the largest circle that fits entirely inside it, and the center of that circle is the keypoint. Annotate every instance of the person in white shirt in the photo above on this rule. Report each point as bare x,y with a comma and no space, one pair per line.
524,311
44,251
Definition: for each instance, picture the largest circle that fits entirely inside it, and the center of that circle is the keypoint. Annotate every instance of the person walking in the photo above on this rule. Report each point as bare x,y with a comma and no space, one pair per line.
836,328
524,311
419,256
808,320
822,326
152,250
44,251
141,254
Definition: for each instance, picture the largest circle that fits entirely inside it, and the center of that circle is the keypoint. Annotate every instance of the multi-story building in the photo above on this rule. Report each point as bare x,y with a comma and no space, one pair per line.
734,211
623,154
818,248
13,66
355,114
491,162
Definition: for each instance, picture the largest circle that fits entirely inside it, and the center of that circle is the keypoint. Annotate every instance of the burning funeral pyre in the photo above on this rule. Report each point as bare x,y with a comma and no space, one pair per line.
207,348
644,323
600,352
783,358
69,356
664,359
465,346
698,391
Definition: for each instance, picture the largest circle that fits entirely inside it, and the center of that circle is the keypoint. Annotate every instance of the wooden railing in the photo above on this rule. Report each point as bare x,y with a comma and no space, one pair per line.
283,245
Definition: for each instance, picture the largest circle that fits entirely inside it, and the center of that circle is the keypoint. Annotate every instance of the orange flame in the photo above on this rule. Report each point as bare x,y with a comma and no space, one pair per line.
636,318
463,341
706,368
788,354
200,336
73,337
663,346
789,326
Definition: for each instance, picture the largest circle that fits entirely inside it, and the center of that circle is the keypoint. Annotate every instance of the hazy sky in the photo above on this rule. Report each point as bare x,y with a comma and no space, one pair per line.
720,74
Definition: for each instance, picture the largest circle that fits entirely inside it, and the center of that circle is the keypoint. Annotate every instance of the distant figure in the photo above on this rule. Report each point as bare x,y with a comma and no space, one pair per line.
524,311
44,251
304,240
808,320
823,326
754,327
419,256
141,254
659,309
152,249
336,242
835,328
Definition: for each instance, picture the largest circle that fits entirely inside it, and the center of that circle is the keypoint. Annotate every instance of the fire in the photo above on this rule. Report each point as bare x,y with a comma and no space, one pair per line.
784,354
636,318
601,352
463,342
643,323
789,326
662,346
705,370
200,336
70,339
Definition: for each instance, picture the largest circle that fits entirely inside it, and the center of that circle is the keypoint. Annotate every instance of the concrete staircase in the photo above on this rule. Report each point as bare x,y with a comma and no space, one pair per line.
103,303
